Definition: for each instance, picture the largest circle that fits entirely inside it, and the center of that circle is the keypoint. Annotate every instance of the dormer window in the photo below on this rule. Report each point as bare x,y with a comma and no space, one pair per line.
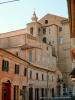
31,30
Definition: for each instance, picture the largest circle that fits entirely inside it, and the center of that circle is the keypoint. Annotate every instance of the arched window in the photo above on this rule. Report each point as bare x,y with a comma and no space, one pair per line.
44,40
31,30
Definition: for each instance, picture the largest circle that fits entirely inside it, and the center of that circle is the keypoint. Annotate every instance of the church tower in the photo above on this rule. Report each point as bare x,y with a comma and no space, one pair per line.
33,27
34,17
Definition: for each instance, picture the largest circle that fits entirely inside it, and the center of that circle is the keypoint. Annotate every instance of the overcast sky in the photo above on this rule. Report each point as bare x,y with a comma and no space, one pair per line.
16,15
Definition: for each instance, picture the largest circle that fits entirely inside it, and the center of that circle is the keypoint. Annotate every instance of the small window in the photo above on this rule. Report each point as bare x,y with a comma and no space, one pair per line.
44,40
16,69
15,92
30,74
44,31
46,21
42,77
60,29
31,30
25,71
36,76
5,65
30,56
39,30
53,51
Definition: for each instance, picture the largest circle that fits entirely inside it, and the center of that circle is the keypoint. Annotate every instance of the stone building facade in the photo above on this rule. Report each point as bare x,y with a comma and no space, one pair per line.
41,44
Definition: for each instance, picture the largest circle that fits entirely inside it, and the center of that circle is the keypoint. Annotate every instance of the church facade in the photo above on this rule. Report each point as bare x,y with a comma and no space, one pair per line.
41,45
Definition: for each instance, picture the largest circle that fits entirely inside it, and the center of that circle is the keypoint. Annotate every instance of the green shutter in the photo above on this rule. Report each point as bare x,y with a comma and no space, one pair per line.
5,65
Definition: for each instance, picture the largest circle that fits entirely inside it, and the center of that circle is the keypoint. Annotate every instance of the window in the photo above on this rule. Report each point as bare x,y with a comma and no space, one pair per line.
42,77
39,30
44,31
30,93
30,74
36,76
42,92
37,94
24,90
46,21
60,29
16,92
30,56
44,40
31,30
25,71
16,69
5,65
53,51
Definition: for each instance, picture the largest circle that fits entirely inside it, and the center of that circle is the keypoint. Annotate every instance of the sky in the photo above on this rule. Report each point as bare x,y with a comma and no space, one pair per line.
16,15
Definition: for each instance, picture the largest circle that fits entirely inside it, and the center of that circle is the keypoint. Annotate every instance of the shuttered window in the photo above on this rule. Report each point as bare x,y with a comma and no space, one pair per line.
16,69
5,65
25,71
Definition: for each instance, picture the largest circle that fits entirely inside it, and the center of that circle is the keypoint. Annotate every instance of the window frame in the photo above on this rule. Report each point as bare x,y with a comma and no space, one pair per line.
46,21
42,77
5,65
17,69
30,74
44,31
31,30
44,40
25,71
30,55
37,76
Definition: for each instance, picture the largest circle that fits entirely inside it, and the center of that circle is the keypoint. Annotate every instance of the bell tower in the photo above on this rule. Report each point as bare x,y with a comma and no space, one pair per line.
34,17
34,26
